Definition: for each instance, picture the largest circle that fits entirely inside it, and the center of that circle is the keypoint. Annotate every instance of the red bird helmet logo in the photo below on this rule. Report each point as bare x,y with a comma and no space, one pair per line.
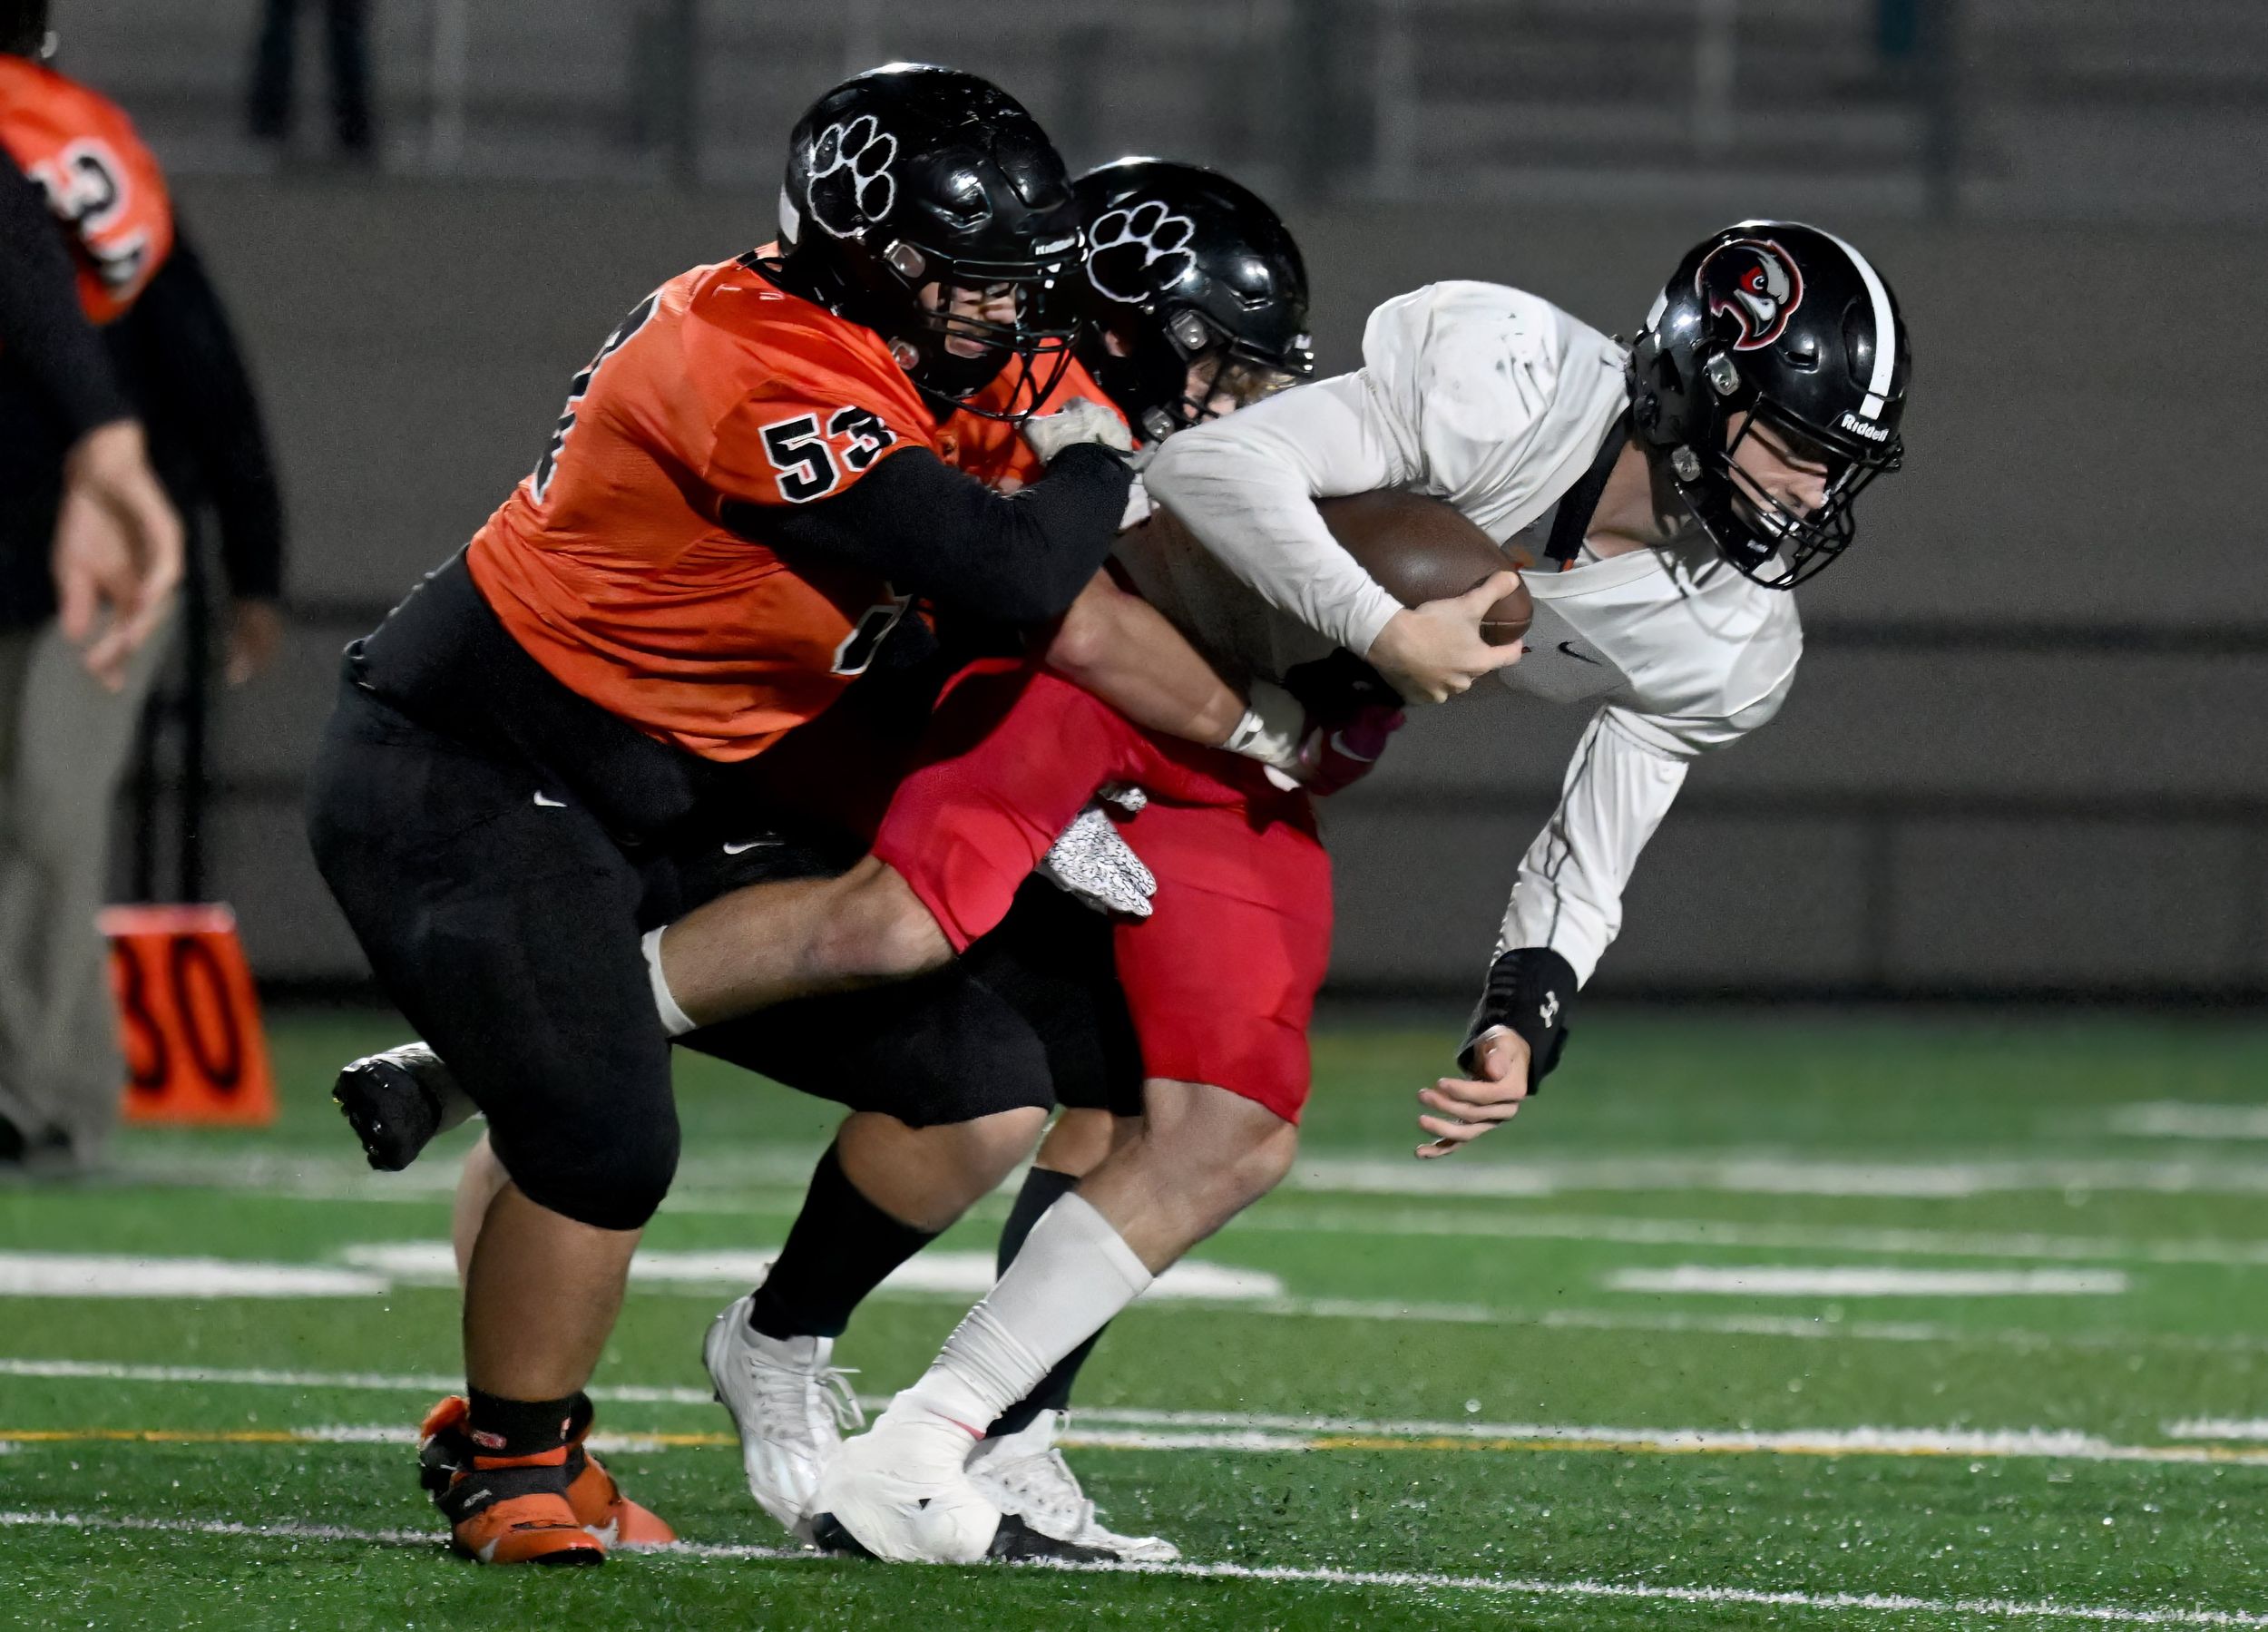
1756,280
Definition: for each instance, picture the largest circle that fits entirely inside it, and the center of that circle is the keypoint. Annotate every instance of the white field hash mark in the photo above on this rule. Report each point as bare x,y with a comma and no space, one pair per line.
1786,1280
1286,1575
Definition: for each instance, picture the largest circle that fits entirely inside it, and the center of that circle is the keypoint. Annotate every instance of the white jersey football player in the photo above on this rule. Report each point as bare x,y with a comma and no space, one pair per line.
1677,488
1670,495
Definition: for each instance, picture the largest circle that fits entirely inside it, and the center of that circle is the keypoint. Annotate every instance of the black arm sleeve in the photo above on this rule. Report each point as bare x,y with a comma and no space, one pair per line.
1011,558
42,327
203,398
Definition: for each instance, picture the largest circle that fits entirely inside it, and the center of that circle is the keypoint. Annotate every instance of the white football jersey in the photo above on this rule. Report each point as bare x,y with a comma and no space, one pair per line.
1497,402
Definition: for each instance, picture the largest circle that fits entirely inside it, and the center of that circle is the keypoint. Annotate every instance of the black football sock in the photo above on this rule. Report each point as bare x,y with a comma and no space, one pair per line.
1043,1188
841,1247
516,1428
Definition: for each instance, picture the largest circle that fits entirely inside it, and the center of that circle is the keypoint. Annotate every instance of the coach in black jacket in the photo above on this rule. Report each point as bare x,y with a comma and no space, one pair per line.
90,554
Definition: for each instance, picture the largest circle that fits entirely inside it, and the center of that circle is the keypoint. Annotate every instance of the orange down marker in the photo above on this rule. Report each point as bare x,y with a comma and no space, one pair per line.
188,1018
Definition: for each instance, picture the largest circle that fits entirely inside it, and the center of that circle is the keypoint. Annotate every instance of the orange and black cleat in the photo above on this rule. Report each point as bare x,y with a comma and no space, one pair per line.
598,1502
501,1509
513,1510
611,1518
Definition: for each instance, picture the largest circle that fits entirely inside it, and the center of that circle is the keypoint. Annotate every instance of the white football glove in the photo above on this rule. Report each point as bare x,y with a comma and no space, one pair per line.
1077,420
1092,863
1274,730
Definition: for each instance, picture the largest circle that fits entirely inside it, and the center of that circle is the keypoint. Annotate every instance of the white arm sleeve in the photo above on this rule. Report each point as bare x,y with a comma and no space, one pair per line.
1568,896
1246,486
1625,776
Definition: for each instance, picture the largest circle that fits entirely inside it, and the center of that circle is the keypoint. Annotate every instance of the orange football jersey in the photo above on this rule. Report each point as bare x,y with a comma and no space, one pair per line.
101,181
610,563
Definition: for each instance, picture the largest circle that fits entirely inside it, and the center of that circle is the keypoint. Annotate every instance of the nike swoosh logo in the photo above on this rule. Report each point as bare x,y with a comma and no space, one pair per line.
550,804
1568,647
754,843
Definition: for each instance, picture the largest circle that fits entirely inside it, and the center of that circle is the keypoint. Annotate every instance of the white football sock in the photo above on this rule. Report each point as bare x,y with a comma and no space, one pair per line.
1072,1276
675,1021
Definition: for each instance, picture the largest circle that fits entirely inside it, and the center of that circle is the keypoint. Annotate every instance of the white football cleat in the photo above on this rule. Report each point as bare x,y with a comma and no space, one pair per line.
901,1491
1023,1474
789,1405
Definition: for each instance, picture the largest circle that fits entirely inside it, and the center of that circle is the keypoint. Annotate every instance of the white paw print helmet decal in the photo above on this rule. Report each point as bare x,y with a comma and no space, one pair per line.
851,184
1136,250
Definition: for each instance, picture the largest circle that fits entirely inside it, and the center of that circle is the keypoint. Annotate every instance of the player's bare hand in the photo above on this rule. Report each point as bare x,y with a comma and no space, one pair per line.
1432,651
1077,420
1468,1108
117,554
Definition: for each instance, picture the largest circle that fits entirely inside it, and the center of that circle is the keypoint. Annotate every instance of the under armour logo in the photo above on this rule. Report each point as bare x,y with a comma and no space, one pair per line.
1550,1011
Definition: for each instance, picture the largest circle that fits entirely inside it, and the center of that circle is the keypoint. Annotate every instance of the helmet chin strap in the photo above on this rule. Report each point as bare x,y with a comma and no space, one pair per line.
1570,523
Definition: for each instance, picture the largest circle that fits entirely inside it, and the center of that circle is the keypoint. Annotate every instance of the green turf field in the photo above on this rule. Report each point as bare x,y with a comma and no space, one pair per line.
1749,1320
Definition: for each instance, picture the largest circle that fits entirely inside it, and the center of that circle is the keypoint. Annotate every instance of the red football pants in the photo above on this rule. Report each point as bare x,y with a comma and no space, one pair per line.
1221,979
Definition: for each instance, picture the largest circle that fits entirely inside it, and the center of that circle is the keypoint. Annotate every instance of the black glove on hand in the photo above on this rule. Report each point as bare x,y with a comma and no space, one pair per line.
1336,688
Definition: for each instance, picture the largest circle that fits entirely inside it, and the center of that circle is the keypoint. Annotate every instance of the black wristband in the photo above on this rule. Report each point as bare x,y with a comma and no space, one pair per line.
1529,991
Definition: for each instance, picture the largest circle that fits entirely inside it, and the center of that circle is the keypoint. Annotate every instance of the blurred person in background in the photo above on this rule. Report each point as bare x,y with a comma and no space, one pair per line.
346,33
114,359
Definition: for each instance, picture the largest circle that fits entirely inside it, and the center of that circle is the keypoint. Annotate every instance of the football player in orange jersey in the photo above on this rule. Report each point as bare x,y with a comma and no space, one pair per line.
1178,341
681,636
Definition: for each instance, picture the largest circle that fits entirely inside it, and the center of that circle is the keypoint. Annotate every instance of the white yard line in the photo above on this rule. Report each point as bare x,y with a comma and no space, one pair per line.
1776,1173
2218,1428
122,1274
375,1269
214,1376
1142,1428
933,1272
1100,1434
2186,1119
1858,1280
1297,1219
1280,1575
722,1184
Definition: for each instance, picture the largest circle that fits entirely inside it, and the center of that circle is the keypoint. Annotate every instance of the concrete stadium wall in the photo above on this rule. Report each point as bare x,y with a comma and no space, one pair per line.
2028,751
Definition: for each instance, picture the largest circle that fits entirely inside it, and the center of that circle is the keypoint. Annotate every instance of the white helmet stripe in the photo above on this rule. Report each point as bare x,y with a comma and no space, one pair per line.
1885,333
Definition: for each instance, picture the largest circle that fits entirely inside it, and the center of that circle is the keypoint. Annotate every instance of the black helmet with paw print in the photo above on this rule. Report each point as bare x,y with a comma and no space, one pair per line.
909,176
1195,291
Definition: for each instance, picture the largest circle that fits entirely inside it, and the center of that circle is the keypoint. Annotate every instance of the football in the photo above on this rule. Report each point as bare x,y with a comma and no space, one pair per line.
1421,549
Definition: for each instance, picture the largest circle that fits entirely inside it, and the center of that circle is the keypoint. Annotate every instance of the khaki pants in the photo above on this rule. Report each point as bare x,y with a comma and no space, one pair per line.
63,747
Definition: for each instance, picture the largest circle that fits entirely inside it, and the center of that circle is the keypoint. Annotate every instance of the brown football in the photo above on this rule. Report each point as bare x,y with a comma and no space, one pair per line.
1421,549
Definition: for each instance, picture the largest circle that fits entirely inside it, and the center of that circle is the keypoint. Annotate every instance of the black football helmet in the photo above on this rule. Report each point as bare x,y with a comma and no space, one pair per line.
24,29
1795,328
911,175
1184,265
